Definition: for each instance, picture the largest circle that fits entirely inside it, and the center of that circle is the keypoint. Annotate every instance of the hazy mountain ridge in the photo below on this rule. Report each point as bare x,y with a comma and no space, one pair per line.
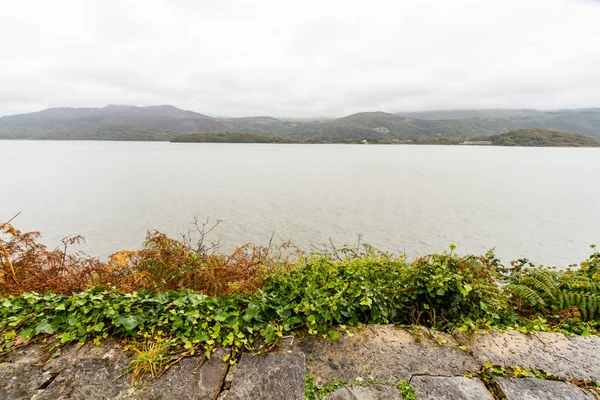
117,122
150,123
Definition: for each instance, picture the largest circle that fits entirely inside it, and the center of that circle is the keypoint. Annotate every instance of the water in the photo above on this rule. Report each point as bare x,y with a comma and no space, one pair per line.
526,202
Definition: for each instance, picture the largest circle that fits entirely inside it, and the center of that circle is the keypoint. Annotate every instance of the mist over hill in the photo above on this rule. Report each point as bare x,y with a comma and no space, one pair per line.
120,122
113,122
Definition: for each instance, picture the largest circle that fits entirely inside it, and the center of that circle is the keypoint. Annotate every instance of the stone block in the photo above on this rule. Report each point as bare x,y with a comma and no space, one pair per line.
89,379
449,388
22,381
567,357
384,352
190,379
537,389
375,392
271,376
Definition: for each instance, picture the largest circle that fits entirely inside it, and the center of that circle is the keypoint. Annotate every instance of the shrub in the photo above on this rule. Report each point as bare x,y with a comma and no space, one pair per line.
572,292
191,298
169,264
162,264
26,265
446,289
439,290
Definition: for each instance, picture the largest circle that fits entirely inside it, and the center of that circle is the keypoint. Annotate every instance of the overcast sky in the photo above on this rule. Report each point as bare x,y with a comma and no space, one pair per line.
304,58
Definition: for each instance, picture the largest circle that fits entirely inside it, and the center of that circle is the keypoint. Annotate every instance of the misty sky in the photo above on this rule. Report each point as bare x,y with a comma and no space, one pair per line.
300,58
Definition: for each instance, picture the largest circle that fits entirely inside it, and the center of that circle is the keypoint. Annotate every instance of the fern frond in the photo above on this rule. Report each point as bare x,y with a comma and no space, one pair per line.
548,278
525,292
587,303
538,285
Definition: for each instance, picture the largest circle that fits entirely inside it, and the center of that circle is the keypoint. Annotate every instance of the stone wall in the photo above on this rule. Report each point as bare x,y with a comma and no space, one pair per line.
436,365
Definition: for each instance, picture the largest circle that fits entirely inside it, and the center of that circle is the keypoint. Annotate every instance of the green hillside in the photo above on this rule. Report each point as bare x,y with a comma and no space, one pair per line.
228,137
542,138
113,122
165,122
381,126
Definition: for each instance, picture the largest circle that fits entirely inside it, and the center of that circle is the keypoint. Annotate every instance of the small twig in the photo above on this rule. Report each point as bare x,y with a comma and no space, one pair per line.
9,221
335,251
312,245
271,240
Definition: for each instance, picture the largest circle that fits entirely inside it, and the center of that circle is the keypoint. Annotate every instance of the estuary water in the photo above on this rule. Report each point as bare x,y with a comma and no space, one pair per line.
539,203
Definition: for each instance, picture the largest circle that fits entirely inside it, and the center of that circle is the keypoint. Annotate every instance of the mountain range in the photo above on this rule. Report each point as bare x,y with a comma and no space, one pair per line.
117,122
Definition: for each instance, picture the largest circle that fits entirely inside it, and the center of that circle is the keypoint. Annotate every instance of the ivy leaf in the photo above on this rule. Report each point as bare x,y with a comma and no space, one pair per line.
333,334
98,327
44,327
27,334
251,312
128,323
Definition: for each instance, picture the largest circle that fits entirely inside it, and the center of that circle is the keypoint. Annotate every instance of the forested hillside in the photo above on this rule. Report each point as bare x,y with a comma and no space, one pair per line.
542,138
228,137
166,122
112,122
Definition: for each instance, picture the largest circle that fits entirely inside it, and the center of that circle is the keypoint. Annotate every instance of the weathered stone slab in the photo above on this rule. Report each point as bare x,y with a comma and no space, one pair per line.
21,381
449,388
537,389
567,357
189,379
383,352
89,379
30,354
376,392
81,372
271,376
110,350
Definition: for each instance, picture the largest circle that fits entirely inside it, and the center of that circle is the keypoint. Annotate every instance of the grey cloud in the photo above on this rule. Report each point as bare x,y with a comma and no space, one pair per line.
305,59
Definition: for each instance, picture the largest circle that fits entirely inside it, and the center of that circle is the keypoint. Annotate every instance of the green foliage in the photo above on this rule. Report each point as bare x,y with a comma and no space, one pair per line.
575,293
187,319
446,289
311,391
407,392
319,294
533,286
371,288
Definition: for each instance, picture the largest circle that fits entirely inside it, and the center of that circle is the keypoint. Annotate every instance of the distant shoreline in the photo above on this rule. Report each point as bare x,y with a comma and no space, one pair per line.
520,138
404,143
